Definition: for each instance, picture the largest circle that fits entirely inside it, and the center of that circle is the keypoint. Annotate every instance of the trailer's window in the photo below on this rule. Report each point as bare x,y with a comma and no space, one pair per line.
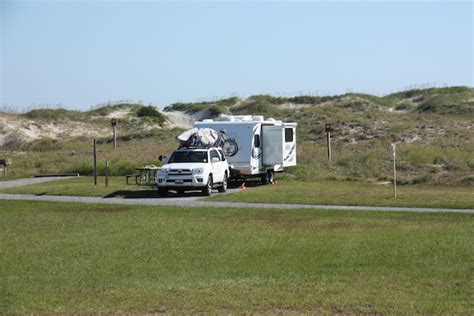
256,141
289,135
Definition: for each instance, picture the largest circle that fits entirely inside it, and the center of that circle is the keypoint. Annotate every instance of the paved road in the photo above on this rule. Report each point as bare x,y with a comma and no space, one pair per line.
197,202
27,181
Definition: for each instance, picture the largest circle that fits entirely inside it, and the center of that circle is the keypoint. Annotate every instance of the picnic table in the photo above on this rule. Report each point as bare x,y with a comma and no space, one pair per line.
146,175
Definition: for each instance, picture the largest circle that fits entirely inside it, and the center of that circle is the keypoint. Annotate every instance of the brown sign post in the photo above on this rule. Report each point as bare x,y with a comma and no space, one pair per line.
394,153
114,126
94,154
106,173
328,128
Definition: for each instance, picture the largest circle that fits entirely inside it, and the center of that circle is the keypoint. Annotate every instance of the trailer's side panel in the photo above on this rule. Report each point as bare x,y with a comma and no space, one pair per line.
247,158
272,142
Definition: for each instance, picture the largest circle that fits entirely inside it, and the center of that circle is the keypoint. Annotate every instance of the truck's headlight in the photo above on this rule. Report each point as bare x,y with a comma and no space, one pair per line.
197,171
163,172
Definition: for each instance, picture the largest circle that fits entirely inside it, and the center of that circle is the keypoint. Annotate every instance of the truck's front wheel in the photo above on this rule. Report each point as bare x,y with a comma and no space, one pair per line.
207,191
223,187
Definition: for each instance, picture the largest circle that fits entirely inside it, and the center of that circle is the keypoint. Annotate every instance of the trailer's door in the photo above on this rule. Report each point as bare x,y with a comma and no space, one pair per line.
273,145
289,153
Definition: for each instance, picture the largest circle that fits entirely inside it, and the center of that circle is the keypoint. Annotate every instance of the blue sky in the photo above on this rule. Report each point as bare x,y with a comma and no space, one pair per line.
82,53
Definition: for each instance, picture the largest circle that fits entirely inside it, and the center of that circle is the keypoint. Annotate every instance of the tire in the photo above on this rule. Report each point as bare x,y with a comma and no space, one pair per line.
162,191
223,187
271,176
267,177
207,191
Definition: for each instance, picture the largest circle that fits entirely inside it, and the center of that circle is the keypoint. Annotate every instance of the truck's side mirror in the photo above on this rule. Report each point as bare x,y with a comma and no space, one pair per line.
163,158
215,159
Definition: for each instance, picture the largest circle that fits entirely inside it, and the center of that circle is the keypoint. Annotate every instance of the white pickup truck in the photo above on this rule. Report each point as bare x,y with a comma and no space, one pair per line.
194,169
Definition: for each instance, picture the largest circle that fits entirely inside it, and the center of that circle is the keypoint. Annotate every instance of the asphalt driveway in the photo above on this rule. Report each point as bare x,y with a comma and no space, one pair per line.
194,200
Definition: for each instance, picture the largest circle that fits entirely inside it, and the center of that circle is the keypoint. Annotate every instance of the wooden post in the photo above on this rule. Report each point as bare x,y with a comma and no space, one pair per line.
114,126
115,137
394,152
106,173
316,152
95,162
329,145
328,129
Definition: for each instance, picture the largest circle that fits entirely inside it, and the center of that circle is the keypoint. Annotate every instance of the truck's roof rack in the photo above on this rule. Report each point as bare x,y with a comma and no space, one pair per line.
198,147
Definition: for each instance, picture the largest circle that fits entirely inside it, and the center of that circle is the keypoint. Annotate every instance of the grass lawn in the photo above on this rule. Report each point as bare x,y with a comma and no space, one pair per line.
71,258
355,193
84,186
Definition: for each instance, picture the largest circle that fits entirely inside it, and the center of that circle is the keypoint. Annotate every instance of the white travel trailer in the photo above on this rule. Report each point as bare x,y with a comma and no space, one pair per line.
263,147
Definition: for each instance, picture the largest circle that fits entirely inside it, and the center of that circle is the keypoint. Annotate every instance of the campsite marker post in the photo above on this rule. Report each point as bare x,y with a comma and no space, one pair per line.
106,173
328,128
394,152
114,126
95,161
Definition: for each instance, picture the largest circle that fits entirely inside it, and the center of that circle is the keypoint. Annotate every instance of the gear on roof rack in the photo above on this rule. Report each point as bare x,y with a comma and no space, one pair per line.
207,138
198,138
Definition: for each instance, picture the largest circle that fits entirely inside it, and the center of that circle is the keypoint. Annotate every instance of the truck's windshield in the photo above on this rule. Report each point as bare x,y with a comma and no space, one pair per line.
188,156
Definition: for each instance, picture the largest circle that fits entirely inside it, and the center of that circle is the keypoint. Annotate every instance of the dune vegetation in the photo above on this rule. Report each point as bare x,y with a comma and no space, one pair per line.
433,128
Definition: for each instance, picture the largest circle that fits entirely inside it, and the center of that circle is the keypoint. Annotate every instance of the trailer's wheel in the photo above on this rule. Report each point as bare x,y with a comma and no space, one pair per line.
223,187
271,175
162,191
267,177
207,191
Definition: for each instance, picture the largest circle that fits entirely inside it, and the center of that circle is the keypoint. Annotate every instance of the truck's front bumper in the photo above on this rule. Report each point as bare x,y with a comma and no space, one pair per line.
197,181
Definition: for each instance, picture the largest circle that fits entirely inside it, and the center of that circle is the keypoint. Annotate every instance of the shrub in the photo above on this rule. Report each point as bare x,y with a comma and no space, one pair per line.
122,168
109,108
194,107
13,142
45,144
148,111
53,114
116,168
469,180
257,106
304,99
403,106
151,112
83,168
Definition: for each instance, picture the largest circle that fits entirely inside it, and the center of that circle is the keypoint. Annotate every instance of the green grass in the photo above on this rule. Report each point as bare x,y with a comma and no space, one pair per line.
84,186
72,258
355,193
